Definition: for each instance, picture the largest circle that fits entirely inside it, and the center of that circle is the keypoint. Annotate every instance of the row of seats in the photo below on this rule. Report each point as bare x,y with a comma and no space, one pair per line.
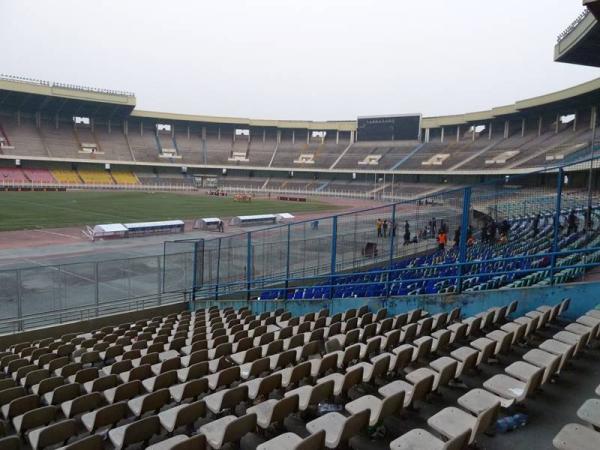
144,382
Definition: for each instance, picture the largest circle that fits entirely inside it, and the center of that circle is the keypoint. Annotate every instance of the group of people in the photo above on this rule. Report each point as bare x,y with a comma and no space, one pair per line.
387,228
492,231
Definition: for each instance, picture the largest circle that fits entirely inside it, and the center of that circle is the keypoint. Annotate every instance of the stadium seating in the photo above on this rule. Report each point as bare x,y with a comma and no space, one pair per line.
421,275
66,176
95,176
12,175
217,376
39,175
124,177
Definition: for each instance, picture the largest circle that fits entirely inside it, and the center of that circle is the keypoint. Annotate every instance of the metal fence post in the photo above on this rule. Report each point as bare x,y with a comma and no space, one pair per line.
287,263
249,265
159,280
20,325
333,255
393,232
556,230
218,269
97,289
464,228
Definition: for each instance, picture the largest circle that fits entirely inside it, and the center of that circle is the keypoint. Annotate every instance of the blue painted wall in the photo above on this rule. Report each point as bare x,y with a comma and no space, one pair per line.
584,296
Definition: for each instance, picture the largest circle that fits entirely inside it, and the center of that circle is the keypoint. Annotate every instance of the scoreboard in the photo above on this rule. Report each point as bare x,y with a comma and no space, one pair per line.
406,127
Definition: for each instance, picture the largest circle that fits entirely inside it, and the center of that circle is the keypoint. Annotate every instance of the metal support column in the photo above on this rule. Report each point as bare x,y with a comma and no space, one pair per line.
333,255
464,227
249,266
218,269
556,230
287,262
392,247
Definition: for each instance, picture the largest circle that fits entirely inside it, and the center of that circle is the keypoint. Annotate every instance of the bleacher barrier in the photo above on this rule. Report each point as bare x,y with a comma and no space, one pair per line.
334,258
348,255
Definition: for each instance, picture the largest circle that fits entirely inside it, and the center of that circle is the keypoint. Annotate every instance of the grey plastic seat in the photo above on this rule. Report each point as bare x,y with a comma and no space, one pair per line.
107,416
52,434
453,422
93,442
181,415
226,399
181,442
419,439
139,431
311,395
274,411
291,441
228,429
378,408
576,437
338,428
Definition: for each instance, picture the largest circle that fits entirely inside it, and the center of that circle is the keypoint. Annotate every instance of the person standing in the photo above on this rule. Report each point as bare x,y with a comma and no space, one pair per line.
378,225
442,239
572,223
385,227
536,225
457,237
394,225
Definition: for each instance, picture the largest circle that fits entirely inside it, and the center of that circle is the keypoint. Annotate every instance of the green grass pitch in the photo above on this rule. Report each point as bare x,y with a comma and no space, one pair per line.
29,210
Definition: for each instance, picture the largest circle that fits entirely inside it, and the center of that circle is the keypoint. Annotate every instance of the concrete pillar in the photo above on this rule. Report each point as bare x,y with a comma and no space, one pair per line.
337,137
457,133
108,126
203,133
19,118
264,135
506,129
540,125
490,131
426,135
593,116
523,122
293,137
56,121
442,135
125,127
474,132
557,123
575,122
172,131
308,132
353,136
278,136
141,128
219,133
188,132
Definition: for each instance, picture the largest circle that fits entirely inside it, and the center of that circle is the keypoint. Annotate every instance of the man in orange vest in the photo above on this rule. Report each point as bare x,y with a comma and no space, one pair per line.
442,239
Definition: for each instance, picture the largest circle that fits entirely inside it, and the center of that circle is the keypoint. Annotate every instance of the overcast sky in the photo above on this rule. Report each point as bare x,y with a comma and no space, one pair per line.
296,59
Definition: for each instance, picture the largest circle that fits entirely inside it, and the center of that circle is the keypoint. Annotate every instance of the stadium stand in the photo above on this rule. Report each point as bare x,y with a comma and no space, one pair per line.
39,175
124,177
95,176
66,176
24,137
114,144
421,275
11,175
220,376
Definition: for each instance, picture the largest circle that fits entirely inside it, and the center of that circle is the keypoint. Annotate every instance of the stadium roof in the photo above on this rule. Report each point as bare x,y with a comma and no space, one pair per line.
28,95
18,94
580,42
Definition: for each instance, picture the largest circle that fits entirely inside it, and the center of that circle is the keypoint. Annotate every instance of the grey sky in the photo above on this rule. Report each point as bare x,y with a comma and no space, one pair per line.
303,59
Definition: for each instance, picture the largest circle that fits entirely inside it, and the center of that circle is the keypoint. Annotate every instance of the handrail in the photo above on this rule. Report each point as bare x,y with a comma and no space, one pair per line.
64,85
580,18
